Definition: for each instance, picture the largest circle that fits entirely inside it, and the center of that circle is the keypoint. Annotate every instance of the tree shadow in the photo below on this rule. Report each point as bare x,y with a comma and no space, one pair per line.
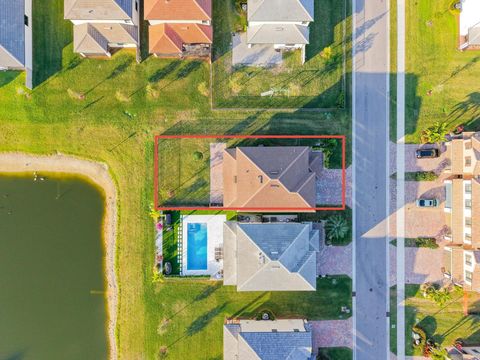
202,321
188,68
207,291
471,105
164,72
7,77
119,69
17,355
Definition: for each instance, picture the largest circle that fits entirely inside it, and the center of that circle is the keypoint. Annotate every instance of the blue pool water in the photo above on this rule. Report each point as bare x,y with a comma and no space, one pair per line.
197,246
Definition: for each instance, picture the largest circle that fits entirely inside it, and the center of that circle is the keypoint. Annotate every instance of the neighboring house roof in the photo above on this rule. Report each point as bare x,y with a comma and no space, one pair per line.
188,10
474,35
469,16
267,340
98,9
280,10
464,154
270,257
277,34
12,33
268,177
169,38
94,38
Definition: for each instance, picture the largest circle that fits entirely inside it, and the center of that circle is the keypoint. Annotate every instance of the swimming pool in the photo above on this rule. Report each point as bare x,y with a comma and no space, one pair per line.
197,246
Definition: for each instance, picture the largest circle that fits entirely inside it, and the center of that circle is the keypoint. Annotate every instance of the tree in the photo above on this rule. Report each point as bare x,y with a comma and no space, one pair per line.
336,227
436,133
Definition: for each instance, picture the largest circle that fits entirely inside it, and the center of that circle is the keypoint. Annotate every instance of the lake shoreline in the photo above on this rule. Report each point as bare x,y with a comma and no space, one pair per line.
13,162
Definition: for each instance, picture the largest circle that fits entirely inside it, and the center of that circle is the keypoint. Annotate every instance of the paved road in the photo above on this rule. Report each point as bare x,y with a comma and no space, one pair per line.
370,177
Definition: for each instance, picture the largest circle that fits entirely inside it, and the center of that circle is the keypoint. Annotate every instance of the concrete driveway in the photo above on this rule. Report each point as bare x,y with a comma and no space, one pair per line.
257,55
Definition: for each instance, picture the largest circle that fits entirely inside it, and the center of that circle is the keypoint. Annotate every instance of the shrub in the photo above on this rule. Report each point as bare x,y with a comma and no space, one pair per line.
438,295
423,337
120,96
336,227
197,155
152,91
203,89
260,315
75,95
424,242
326,53
421,176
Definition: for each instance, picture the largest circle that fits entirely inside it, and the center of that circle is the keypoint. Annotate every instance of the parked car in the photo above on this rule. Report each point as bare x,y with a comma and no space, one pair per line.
427,202
426,153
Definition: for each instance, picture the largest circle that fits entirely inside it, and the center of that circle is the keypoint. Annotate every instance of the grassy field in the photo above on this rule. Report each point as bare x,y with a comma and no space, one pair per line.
442,324
187,315
338,353
109,111
442,82
319,83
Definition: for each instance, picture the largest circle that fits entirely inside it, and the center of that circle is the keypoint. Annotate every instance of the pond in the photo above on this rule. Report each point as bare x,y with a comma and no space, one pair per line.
52,285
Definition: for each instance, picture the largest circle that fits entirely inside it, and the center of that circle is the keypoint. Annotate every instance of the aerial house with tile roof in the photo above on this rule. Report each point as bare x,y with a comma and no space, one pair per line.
281,23
270,256
103,26
179,28
267,340
16,36
266,177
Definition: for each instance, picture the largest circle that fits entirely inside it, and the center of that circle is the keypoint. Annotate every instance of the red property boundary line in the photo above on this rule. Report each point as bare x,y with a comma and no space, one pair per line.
291,209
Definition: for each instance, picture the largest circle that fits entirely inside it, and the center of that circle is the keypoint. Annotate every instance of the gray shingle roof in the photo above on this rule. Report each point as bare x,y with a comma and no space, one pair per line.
98,9
279,345
278,34
12,33
273,239
280,10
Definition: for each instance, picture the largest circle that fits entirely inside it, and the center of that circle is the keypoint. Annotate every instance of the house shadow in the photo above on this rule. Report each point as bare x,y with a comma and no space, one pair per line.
6,77
51,34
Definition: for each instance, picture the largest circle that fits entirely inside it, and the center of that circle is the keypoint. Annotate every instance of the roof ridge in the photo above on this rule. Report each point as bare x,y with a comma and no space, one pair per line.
202,9
291,163
293,242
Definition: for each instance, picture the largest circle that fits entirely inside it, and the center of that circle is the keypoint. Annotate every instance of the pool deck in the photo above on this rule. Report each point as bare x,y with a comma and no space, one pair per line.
214,239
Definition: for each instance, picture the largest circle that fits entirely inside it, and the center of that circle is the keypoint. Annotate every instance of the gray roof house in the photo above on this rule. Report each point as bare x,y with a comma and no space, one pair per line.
270,256
103,25
282,23
267,340
15,36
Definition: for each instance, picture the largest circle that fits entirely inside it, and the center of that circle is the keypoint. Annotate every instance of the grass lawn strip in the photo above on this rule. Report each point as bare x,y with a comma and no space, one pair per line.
442,324
441,82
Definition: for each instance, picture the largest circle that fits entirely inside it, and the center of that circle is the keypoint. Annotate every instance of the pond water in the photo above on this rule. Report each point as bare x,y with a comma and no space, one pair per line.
52,286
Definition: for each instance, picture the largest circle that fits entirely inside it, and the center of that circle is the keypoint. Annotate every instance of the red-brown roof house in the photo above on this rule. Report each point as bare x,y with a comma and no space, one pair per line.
179,28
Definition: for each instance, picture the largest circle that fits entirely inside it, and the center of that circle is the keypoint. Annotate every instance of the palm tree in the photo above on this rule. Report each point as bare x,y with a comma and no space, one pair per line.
436,133
336,227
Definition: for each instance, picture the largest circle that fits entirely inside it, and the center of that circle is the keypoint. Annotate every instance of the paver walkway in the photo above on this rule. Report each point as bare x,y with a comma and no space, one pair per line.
216,172
329,187
334,260
421,265
332,333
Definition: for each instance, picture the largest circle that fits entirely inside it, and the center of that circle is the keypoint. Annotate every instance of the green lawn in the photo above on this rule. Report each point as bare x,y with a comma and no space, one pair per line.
442,324
336,353
110,111
319,83
187,315
434,64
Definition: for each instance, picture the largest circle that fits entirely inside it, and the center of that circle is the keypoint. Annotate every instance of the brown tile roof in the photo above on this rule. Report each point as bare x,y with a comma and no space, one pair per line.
456,156
98,9
200,10
457,263
267,177
169,38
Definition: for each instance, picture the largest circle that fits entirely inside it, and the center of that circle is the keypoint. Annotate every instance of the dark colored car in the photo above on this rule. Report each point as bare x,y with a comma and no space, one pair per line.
426,153
427,202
